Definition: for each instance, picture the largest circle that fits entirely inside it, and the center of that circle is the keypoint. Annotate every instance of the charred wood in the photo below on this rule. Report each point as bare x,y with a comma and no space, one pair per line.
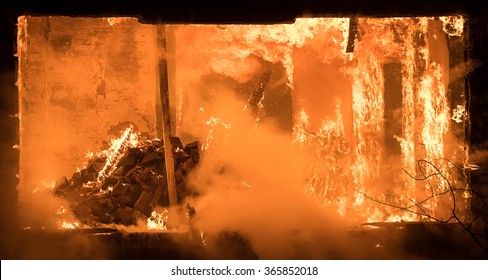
135,187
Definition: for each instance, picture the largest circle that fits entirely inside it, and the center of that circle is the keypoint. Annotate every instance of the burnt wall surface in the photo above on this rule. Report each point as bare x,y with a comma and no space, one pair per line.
254,11
81,81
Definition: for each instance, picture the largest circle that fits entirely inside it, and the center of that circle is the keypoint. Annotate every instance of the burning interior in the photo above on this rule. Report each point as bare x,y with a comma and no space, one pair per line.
306,128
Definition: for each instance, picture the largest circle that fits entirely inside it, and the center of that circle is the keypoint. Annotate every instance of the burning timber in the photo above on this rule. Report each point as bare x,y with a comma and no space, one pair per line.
127,182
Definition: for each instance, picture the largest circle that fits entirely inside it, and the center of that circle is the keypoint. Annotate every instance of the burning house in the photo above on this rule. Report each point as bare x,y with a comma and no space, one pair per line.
347,134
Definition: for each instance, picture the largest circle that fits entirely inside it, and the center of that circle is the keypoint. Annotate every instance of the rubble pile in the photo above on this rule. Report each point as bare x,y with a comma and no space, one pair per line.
135,185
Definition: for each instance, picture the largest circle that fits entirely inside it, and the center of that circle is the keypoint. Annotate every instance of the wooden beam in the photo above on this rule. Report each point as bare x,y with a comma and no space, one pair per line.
166,125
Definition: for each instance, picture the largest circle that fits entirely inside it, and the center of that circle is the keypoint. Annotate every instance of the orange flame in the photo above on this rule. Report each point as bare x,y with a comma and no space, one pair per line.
116,151
425,124
157,221
453,25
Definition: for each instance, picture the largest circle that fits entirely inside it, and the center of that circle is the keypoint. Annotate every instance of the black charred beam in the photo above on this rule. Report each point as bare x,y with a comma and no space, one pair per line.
254,101
353,30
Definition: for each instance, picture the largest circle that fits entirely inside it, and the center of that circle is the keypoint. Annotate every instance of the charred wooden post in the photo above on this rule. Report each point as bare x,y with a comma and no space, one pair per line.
254,101
353,29
168,147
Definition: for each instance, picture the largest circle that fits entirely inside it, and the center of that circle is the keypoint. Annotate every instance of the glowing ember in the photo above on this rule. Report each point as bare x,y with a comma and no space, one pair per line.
61,210
69,225
117,20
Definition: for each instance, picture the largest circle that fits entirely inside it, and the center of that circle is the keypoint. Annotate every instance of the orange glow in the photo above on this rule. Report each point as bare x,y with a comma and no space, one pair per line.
334,147
117,149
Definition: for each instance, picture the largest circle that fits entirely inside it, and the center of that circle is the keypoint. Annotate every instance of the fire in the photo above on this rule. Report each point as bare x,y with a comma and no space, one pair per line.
69,225
368,105
425,124
157,221
45,184
214,123
328,176
453,25
116,151
276,42
433,97
348,162
300,128
458,113
349,165
227,45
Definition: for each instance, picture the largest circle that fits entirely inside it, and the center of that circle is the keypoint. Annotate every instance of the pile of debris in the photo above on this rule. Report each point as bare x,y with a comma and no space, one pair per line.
123,185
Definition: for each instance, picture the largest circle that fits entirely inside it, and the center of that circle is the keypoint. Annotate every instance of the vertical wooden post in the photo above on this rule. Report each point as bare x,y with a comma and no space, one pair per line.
166,125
